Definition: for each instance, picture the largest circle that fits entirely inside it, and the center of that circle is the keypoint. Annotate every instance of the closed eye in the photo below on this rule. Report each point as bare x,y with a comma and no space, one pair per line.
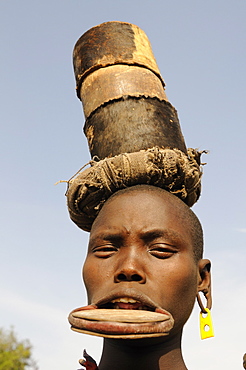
162,251
104,251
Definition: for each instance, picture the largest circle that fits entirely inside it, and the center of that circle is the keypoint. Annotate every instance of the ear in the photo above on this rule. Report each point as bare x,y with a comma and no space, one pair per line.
204,280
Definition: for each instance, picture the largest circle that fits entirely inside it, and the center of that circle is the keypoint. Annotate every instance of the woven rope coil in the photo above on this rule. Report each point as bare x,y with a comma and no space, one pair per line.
170,169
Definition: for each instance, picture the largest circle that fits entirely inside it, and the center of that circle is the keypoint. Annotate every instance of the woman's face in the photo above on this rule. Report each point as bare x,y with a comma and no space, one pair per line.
140,251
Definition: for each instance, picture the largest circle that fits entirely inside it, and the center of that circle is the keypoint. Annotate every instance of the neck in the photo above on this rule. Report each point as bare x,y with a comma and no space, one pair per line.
154,354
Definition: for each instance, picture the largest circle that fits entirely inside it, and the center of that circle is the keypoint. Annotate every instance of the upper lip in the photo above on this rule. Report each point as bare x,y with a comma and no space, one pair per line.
129,293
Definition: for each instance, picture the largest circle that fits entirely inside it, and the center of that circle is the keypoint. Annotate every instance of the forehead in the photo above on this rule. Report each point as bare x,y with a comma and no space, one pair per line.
142,211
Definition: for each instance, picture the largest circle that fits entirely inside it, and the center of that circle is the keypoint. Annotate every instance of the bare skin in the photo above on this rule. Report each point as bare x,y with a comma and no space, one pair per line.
141,246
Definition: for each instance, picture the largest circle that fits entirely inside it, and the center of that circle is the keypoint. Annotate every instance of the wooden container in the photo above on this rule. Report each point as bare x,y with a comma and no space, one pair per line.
122,92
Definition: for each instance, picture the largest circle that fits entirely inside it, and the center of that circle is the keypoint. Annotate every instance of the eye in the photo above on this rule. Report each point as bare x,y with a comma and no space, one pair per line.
162,251
104,251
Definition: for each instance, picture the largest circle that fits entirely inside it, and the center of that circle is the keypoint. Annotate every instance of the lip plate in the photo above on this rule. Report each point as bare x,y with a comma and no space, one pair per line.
120,336
120,315
123,330
120,333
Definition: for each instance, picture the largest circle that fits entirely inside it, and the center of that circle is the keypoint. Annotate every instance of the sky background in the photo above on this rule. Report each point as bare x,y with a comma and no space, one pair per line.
200,50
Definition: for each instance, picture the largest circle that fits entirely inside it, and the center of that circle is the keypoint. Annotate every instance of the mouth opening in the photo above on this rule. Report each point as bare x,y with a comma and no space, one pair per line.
125,304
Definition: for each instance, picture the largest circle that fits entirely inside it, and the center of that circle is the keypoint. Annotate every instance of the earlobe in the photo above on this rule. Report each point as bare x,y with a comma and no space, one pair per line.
204,280
204,283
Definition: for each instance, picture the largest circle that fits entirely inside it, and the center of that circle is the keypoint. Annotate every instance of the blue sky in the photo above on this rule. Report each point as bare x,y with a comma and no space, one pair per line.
200,50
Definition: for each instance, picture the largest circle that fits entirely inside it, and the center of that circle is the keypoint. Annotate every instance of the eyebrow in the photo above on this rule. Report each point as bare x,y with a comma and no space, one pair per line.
151,235
107,236
146,236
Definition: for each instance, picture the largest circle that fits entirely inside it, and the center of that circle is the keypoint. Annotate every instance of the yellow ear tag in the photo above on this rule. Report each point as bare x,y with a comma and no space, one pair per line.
206,325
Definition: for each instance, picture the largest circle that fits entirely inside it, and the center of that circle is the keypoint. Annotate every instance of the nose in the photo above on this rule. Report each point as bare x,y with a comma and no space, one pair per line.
130,269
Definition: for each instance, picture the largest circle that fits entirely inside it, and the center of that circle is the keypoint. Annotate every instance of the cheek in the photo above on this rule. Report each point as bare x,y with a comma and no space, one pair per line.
89,274
94,276
179,290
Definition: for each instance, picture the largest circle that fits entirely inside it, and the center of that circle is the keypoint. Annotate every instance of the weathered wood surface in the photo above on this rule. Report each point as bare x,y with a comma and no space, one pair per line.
130,125
112,43
113,82
122,92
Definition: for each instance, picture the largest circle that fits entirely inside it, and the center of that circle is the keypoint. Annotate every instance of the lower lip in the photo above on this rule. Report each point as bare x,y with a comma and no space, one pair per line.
109,328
